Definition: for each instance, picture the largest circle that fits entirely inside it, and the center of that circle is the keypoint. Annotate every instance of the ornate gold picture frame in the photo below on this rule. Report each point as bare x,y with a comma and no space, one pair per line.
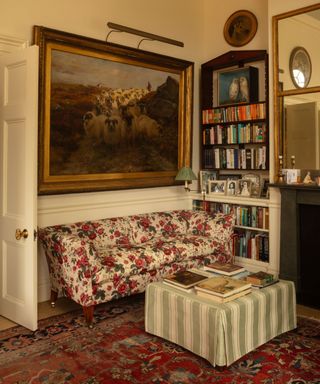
110,117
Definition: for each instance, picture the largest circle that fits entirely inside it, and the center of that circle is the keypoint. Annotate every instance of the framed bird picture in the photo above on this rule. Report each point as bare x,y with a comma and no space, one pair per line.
237,86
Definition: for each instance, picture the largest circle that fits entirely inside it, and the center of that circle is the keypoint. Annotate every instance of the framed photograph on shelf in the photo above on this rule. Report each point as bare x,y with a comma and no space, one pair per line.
110,117
205,177
232,187
265,181
217,187
238,86
244,187
255,183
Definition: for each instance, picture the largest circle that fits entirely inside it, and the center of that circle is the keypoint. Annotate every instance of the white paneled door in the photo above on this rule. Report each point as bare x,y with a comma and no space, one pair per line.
18,189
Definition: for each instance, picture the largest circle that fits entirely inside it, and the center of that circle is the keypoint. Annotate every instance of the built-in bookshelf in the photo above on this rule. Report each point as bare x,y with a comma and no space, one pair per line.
250,241
234,112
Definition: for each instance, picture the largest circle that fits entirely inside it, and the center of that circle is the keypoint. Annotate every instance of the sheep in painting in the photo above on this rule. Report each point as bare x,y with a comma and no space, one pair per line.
142,125
94,125
115,130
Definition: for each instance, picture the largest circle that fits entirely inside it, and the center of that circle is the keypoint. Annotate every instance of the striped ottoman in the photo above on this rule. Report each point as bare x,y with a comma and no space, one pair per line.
220,333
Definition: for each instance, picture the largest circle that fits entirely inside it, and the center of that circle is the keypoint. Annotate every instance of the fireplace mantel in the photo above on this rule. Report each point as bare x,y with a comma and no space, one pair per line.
299,238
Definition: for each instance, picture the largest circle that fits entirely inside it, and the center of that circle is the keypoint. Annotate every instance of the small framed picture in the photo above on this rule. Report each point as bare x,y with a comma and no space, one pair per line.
255,183
265,187
205,177
232,187
217,187
244,187
238,85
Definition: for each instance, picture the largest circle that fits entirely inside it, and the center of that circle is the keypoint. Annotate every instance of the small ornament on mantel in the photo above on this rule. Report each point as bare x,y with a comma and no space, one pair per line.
307,179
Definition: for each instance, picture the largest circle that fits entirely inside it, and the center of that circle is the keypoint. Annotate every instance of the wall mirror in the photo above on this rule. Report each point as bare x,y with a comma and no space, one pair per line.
296,59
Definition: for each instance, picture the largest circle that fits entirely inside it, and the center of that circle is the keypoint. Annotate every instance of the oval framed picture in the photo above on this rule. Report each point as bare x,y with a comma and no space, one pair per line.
240,28
300,67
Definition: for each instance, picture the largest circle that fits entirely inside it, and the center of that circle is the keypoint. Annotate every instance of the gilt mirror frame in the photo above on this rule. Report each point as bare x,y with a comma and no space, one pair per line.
278,92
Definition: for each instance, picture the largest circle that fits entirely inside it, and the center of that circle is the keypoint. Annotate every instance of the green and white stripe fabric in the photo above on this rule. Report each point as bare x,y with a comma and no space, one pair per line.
220,333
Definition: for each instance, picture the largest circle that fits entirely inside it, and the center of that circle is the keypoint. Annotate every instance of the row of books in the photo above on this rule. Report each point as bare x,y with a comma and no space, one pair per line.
225,284
212,206
251,245
246,216
234,113
234,134
235,158
252,216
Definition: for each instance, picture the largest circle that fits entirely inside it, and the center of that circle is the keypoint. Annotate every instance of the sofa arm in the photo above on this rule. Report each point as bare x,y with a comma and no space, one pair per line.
73,263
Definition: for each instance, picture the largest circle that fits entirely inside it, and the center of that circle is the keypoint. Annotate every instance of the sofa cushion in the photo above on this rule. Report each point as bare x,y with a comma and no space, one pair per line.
104,232
208,224
109,232
186,246
145,227
134,259
153,255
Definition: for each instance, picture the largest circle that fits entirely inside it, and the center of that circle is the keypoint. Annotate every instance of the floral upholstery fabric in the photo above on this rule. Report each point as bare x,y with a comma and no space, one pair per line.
96,261
147,226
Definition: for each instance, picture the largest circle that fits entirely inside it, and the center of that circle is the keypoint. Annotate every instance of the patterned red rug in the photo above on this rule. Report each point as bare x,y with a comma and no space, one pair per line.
117,350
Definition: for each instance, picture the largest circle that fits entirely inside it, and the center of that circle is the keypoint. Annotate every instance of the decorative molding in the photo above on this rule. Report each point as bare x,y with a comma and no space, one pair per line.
10,44
56,204
59,209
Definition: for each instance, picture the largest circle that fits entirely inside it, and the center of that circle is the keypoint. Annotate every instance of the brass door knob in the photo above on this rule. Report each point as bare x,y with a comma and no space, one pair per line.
21,234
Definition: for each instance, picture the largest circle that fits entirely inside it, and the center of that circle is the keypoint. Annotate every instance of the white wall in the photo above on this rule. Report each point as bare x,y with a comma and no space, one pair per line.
186,20
178,19
198,23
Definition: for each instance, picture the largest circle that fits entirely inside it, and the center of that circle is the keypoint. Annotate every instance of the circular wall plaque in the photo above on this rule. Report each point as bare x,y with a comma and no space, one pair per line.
240,28
300,67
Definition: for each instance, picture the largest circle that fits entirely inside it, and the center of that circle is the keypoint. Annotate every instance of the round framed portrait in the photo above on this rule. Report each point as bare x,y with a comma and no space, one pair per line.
300,67
240,28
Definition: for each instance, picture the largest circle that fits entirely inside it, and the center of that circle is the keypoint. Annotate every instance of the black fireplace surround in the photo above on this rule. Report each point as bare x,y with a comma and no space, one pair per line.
300,240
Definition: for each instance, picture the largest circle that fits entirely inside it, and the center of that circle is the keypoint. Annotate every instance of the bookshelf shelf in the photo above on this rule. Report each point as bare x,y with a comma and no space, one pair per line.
250,263
251,228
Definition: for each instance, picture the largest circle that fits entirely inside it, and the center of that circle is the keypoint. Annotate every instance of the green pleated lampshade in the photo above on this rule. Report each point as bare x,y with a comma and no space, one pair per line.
186,174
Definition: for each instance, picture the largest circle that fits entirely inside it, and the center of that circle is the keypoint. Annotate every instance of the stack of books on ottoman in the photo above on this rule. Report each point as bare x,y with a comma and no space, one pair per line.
222,288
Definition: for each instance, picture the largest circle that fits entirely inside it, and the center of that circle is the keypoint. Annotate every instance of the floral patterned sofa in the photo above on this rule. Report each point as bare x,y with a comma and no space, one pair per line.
96,261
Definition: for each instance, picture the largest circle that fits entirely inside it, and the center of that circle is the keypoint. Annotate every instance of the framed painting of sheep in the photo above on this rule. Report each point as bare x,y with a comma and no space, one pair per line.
110,117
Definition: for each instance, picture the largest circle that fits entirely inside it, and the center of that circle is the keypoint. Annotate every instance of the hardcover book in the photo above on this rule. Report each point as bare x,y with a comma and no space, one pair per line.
227,269
259,286
260,278
223,286
185,279
219,299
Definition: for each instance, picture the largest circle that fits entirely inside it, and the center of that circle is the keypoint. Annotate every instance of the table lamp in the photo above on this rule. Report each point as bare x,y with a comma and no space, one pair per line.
186,174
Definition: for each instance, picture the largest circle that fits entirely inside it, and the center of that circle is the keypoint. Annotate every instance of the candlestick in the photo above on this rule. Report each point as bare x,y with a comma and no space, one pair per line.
280,175
293,161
